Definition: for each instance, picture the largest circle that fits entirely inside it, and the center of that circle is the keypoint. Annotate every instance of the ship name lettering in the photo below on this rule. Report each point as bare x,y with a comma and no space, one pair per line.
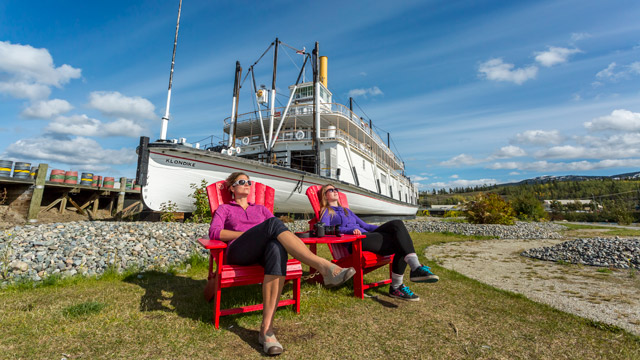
181,162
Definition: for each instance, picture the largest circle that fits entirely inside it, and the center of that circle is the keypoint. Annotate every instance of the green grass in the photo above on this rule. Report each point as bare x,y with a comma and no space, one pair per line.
83,309
163,315
583,230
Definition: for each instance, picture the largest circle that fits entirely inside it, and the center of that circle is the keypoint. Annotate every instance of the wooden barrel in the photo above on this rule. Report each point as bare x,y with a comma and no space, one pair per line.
96,181
57,175
129,184
22,170
71,177
108,182
137,187
34,172
5,168
86,179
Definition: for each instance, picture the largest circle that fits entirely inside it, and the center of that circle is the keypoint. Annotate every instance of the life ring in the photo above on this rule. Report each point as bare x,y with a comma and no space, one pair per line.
299,135
246,140
259,93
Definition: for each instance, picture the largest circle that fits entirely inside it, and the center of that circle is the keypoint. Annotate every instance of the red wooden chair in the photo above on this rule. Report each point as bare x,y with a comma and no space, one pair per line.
368,261
226,275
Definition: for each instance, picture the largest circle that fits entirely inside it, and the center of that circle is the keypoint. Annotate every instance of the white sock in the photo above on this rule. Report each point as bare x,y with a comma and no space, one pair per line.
396,280
412,260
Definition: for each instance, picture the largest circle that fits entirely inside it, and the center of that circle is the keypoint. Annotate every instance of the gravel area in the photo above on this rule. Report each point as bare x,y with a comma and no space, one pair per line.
608,295
90,247
617,252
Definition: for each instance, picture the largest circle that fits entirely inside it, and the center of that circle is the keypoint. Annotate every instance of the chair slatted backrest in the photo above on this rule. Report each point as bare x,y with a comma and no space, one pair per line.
260,194
314,194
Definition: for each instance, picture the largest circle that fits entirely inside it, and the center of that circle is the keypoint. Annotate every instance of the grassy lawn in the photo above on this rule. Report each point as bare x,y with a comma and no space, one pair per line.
163,315
579,230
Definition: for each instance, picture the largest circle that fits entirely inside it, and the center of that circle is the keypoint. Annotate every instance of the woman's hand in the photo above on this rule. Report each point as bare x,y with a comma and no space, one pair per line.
357,232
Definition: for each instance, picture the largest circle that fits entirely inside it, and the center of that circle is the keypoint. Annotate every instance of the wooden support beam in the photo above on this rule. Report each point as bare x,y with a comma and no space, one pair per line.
36,198
120,205
63,203
75,205
51,205
90,201
96,205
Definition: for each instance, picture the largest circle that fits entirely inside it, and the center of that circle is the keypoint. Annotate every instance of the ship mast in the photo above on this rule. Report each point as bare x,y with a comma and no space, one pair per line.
165,118
316,112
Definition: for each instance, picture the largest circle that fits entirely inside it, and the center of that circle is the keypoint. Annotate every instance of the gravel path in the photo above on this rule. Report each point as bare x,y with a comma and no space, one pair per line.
609,296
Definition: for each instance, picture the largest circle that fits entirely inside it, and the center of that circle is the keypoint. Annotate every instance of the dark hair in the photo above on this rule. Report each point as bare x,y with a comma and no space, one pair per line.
233,177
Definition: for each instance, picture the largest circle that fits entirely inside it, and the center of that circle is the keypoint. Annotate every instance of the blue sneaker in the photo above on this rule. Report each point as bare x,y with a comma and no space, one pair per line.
403,292
423,274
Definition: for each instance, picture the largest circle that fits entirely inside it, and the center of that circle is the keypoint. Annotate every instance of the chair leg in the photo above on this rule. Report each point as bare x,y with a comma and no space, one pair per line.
296,294
216,305
358,278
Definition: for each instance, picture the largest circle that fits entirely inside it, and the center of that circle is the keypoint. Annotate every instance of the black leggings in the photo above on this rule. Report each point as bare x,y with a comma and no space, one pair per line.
259,245
390,238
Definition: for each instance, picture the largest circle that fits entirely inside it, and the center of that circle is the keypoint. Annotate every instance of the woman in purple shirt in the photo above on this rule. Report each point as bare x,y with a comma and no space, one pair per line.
389,238
256,236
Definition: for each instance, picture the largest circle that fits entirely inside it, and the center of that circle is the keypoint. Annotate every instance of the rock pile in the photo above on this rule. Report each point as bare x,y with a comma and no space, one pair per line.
521,230
613,252
89,248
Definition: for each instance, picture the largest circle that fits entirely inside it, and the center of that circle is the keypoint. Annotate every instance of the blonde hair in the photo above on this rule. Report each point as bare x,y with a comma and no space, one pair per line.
324,204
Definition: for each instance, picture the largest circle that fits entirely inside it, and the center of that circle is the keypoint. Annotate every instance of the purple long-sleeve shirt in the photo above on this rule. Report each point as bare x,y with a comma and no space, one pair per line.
233,217
348,223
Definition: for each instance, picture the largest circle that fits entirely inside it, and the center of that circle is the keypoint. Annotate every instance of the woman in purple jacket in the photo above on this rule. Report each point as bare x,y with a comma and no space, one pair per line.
256,236
389,238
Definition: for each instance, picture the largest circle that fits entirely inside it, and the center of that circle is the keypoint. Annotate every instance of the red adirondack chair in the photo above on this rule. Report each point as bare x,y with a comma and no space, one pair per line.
368,261
226,275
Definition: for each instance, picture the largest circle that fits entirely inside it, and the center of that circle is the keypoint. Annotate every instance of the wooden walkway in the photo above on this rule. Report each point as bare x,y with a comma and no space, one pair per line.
35,196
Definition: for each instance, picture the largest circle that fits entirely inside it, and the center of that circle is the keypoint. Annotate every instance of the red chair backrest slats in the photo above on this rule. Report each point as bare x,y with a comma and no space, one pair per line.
260,194
314,194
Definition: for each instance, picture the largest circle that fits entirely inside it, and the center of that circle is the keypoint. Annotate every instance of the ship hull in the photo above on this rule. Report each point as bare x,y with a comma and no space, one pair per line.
171,172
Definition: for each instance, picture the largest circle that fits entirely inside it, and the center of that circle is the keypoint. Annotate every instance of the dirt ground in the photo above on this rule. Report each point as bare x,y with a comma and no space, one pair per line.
608,295
10,218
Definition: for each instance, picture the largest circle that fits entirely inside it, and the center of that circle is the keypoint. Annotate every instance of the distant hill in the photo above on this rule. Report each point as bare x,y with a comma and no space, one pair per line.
546,179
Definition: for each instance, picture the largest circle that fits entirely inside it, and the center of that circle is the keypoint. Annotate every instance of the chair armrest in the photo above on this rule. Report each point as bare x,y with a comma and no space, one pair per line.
212,244
333,239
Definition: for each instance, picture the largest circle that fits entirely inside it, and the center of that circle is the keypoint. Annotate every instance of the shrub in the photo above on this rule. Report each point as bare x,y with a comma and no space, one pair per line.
489,209
528,208
168,210
202,213
423,213
453,213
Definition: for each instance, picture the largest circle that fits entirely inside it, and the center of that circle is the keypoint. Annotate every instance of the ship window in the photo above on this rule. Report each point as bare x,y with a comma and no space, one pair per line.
304,92
363,164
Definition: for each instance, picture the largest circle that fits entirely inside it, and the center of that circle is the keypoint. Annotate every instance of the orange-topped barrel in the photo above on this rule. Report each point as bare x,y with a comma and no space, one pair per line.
71,177
57,175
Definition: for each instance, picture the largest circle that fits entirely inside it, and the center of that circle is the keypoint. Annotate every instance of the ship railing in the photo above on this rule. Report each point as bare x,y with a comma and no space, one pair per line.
325,108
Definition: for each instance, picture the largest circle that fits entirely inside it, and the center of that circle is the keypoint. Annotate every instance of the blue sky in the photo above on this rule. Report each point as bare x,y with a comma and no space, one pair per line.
472,92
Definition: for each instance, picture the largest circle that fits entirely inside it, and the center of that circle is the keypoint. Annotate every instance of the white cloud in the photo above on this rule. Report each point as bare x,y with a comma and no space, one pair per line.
497,70
555,55
509,152
579,36
23,90
77,151
31,71
113,103
416,178
47,109
372,91
615,73
462,159
544,166
539,137
82,125
619,120
514,173
460,183
562,152
454,176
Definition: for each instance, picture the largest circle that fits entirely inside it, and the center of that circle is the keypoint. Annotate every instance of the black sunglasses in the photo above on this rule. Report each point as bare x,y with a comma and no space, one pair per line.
332,190
242,182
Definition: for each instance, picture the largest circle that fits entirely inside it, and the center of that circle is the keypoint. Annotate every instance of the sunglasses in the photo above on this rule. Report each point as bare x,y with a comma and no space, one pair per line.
242,182
333,190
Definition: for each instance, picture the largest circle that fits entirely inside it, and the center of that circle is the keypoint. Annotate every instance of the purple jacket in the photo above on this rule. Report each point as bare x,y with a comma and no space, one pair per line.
347,223
233,217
